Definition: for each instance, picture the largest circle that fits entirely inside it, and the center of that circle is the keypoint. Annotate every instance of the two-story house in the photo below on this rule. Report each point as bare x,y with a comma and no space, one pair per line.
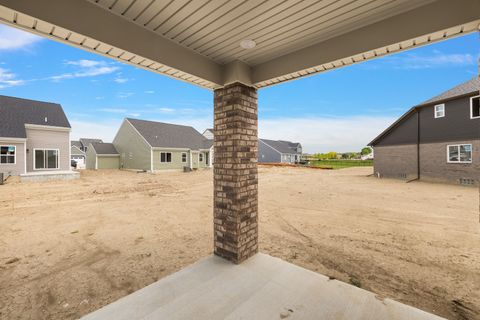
438,140
34,140
279,151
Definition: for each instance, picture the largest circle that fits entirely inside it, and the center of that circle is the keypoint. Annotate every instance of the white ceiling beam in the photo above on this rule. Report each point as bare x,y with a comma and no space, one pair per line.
424,20
90,20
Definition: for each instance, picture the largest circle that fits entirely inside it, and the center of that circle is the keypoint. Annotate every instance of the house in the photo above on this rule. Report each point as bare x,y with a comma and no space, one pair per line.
280,151
34,139
77,155
83,143
151,146
102,156
438,140
208,133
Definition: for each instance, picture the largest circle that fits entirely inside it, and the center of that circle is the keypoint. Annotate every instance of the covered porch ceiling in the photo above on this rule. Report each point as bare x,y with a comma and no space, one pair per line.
199,41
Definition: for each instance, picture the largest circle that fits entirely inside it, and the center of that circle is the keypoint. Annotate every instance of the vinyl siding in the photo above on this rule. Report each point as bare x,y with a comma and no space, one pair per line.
108,162
134,151
267,153
19,166
48,139
176,160
91,158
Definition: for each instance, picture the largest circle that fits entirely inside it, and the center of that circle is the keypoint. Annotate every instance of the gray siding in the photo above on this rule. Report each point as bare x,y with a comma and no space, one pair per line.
48,139
134,152
267,153
19,166
455,126
396,161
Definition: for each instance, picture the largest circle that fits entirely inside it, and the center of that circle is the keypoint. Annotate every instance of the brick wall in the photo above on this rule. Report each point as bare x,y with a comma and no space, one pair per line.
235,172
398,161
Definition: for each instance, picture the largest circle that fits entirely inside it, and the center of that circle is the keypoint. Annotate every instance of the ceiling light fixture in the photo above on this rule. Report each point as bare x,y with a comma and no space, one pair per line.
247,44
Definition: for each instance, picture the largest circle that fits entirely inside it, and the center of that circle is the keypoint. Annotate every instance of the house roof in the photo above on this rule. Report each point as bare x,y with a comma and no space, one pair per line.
75,150
104,148
76,143
16,112
282,146
465,88
470,86
167,135
86,141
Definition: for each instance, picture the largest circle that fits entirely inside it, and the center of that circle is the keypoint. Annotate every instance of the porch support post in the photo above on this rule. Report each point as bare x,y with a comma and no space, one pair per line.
235,172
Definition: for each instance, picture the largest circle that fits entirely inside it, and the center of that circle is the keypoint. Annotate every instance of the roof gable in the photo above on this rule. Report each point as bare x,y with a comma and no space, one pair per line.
282,146
167,135
16,112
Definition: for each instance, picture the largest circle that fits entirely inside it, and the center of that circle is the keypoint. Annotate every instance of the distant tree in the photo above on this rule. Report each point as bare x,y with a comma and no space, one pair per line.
366,150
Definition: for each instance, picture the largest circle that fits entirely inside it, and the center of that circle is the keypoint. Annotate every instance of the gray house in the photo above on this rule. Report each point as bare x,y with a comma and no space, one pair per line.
152,146
34,138
438,140
279,151
83,143
102,156
77,155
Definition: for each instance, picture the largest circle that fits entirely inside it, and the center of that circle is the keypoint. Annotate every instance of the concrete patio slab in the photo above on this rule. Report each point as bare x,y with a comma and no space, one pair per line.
262,287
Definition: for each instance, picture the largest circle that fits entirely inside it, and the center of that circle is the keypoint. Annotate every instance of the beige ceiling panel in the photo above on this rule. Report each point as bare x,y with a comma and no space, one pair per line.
115,52
90,43
223,22
103,48
189,33
60,32
232,35
170,10
281,22
105,3
313,28
25,20
202,13
76,38
138,8
127,56
120,6
149,11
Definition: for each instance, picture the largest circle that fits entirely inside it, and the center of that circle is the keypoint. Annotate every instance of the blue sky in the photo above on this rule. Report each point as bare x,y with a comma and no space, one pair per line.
340,110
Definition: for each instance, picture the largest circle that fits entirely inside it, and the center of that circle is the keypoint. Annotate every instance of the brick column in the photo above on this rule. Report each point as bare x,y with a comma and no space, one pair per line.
235,172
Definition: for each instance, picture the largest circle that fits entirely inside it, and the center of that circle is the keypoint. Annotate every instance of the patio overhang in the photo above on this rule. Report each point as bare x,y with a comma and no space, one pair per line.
200,42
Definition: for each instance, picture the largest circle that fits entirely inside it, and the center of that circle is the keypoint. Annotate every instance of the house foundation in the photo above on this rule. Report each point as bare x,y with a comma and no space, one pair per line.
235,172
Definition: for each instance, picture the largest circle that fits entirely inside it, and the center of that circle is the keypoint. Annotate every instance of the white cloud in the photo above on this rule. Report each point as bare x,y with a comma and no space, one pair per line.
12,39
323,134
120,80
86,68
149,91
9,79
104,130
123,95
166,110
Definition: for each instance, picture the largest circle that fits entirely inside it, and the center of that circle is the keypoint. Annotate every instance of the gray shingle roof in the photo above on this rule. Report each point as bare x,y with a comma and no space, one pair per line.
282,146
16,112
470,86
75,151
104,148
76,143
86,141
167,135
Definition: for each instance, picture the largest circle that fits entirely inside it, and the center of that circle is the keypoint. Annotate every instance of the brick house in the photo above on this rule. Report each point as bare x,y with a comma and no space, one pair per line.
438,140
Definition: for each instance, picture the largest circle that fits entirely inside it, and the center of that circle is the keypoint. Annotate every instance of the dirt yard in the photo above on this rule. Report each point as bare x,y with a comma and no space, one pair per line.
68,248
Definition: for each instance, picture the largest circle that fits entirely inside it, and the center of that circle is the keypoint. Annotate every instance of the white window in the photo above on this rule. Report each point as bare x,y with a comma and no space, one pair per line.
459,153
440,111
7,154
184,157
475,107
45,159
200,157
165,157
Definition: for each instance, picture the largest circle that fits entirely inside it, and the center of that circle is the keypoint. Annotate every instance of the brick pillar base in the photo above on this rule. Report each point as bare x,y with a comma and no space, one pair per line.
235,172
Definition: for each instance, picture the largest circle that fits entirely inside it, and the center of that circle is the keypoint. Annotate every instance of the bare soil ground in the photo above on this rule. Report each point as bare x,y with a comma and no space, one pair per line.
70,247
